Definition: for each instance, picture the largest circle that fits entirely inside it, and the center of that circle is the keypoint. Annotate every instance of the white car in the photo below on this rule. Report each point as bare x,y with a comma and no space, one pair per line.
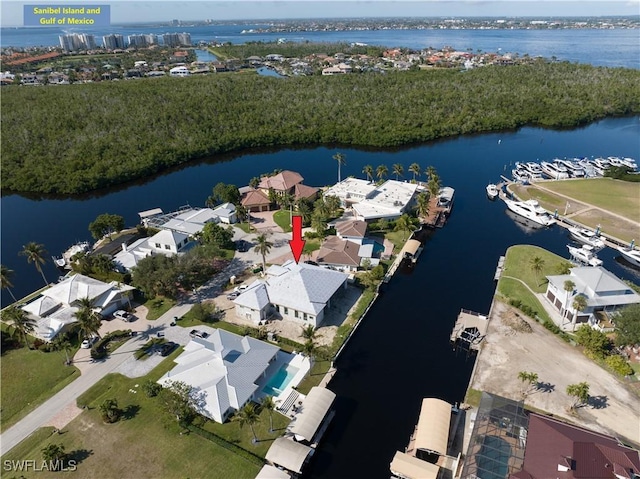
240,289
123,315
88,342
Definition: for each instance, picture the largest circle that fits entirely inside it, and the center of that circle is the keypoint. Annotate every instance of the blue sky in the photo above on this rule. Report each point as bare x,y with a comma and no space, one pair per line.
164,10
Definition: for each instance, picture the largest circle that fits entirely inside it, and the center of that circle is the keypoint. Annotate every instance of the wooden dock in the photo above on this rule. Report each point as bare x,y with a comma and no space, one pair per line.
499,269
469,330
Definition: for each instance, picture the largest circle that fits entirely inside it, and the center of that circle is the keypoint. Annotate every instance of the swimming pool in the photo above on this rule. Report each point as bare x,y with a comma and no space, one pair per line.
280,380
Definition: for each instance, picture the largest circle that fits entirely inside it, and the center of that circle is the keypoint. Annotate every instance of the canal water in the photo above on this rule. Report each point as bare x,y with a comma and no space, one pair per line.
401,352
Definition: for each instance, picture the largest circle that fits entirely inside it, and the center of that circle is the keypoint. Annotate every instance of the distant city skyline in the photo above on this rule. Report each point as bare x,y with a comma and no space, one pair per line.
123,11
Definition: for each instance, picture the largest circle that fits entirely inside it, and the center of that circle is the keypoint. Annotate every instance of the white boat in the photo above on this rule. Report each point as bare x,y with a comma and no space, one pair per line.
521,175
586,236
615,161
492,191
630,162
533,169
445,198
630,254
585,255
554,171
64,261
531,210
601,165
574,169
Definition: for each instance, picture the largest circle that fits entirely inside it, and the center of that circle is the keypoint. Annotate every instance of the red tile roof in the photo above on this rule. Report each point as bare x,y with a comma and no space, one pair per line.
283,181
254,198
304,191
588,454
352,228
338,251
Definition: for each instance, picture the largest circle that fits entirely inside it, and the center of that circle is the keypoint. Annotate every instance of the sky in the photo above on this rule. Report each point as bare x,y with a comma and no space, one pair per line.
125,11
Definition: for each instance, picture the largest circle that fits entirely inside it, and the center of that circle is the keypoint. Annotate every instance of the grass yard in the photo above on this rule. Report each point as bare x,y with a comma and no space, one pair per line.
283,220
311,245
158,306
514,289
318,371
30,377
147,443
518,264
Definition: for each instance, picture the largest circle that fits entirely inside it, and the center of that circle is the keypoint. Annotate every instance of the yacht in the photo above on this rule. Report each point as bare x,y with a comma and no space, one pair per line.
554,171
492,191
530,209
615,161
588,167
573,168
534,169
630,162
521,175
588,237
630,254
585,255
601,165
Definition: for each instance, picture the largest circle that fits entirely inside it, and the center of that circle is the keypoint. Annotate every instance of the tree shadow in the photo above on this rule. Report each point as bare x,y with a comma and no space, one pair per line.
598,402
79,455
545,387
130,411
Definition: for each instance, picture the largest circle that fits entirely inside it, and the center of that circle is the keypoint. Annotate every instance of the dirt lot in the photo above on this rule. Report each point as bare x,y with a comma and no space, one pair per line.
516,343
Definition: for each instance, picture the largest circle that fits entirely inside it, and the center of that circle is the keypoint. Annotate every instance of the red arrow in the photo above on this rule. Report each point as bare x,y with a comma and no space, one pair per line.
296,243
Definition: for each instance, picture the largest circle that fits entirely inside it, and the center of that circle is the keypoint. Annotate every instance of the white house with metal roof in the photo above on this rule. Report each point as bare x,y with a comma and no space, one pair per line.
294,292
601,288
226,370
165,242
54,309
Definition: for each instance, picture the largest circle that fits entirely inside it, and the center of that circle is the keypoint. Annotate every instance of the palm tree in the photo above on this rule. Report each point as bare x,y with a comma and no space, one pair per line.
530,378
263,247
434,185
382,171
404,224
569,286
319,223
248,415
61,343
579,304
398,170
5,280
309,332
269,405
20,320
304,209
35,254
110,411
431,172
88,320
342,160
242,213
309,349
537,263
415,169
368,170
422,204
580,392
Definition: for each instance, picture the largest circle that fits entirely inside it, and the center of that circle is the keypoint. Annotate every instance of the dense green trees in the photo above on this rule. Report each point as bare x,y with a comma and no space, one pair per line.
77,138
217,235
106,224
628,325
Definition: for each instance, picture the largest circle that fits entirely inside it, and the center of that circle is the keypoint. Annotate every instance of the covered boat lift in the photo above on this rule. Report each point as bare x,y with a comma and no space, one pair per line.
408,467
312,413
289,454
271,472
411,250
432,432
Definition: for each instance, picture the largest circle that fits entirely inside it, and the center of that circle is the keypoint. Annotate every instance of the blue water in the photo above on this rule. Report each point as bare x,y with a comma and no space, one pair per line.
616,47
268,72
205,56
280,380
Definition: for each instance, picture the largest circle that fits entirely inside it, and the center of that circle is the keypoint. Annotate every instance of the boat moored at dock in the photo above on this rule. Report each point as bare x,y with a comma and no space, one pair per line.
531,210
554,171
584,255
630,254
586,236
65,260
492,191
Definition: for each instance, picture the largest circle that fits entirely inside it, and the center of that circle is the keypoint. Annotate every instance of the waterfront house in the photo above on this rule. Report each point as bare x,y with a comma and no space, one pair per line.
255,201
188,220
226,371
339,254
557,449
285,182
292,292
179,71
601,288
165,242
352,230
54,308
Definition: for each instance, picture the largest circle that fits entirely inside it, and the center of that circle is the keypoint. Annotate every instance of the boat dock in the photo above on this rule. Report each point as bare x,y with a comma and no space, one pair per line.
499,269
469,330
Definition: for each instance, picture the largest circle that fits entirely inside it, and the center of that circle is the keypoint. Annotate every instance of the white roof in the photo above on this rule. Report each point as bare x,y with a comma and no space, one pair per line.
601,287
136,251
254,297
303,287
351,188
151,212
270,472
225,367
432,431
75,287
314,409
191,221
225,210
388,200
288,454
410,467
163,237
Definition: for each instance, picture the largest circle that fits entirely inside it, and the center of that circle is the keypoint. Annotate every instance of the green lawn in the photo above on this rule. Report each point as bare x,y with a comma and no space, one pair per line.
158,306
318,371
514,289
518,264
29,378
146,444
283,220
311,245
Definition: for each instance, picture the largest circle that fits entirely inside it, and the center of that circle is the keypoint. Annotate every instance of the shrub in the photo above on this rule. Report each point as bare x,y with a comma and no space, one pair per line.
151,388
618,365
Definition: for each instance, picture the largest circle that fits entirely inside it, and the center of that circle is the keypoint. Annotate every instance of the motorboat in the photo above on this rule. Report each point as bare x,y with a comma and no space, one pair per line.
585,255
66,259
531,210
527,226
520,175
588,237
630,162
492,191
615,161
573,168
588,167
601,165
554,171
445,198
534,169
630,254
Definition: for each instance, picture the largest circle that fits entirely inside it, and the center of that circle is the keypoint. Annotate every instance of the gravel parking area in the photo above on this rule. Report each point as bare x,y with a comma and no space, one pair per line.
516,343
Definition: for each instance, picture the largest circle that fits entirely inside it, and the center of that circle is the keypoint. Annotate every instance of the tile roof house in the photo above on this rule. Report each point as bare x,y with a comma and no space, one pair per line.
601,288
339,253
53,310
294,292
352,230
224,369
256,201
558,450
283,182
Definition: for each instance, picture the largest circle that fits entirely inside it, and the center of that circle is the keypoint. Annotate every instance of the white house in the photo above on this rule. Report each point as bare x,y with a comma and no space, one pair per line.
192,220
165,242
351,190
601,288
227,371
293,292
181,71
53,310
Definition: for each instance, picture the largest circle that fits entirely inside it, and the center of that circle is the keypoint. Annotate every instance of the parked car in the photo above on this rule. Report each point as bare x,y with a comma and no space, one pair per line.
88,342
194,333
167,348
233,295
123,315
242,246
240,289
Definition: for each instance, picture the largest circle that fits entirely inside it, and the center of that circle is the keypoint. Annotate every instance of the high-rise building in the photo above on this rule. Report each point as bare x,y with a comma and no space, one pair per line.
185,38
113,41
176,39
88,41
76,41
